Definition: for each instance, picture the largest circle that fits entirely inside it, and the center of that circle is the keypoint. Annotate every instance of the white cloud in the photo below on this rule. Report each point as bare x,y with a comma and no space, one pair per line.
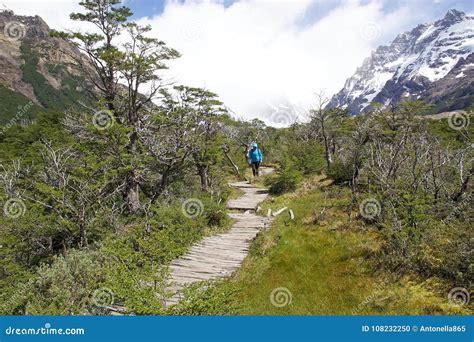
260,55
54,12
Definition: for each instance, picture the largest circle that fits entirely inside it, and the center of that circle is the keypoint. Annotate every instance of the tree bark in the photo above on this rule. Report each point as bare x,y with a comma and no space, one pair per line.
326,145
203,170
464,186
132,196
236,168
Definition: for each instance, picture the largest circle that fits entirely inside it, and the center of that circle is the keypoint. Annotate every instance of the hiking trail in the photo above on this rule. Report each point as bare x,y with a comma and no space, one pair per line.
218,256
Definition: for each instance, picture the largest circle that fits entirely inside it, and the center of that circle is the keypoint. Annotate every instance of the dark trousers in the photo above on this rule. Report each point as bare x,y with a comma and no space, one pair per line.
255,166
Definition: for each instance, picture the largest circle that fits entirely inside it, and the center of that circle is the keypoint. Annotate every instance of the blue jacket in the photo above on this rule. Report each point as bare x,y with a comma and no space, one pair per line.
255,155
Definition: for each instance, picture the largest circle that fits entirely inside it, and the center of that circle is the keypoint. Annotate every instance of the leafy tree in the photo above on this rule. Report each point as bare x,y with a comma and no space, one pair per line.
135,63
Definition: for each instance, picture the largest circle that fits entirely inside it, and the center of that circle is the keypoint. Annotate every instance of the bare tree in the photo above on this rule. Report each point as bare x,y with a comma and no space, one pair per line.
324,121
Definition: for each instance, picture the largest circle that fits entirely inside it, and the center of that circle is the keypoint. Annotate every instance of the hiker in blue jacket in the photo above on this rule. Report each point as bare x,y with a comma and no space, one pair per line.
255,157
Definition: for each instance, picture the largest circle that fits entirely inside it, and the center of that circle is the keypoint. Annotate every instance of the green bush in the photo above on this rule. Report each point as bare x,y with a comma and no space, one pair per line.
286,181
432,249
67,286
207,298
215,214
340,172
446,251
307,156
216,217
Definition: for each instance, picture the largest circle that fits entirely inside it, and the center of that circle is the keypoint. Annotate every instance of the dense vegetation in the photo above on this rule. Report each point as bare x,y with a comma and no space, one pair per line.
409,177
16,108
383,226
98,201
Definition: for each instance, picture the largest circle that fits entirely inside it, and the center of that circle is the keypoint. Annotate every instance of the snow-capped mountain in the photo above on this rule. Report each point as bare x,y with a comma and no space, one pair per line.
433,62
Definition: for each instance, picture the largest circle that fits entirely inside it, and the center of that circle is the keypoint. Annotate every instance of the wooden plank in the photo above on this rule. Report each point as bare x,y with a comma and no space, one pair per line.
220,255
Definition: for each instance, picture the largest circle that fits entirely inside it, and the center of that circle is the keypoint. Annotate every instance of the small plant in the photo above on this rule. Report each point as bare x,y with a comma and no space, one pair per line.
207,298
307,157
340,172
286,181
71,284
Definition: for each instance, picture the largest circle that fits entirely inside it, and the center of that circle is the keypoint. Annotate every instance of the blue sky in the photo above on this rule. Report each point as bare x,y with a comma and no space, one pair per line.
149,8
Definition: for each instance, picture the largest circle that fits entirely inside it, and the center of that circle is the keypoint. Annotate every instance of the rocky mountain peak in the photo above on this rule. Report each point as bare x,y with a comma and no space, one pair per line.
413,65
453,16
40,68
33,27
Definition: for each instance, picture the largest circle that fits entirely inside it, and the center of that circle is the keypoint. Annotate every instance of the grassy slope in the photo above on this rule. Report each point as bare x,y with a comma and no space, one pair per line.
324,262
12,103
49,97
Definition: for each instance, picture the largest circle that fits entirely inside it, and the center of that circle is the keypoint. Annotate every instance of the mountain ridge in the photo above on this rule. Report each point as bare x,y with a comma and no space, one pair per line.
432,62
39,68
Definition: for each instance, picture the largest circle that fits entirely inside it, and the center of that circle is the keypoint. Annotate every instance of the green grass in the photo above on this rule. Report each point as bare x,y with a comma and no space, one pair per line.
321,268
316,267
324,262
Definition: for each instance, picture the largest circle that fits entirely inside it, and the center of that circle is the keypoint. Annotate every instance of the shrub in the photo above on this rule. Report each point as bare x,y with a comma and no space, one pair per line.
340,172
445,250
67,286
215,214
207,298
286,181
432,249
307,157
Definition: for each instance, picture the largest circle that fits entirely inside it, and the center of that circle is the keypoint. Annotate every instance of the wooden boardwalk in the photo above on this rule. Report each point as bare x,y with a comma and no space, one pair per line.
220,255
